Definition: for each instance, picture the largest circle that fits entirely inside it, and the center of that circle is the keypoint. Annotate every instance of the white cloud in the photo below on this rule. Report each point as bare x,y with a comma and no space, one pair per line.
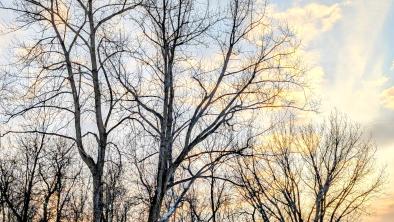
350,83
310,21
354,80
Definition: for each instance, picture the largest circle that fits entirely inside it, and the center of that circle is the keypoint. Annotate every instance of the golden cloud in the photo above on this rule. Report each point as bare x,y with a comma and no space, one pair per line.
387,98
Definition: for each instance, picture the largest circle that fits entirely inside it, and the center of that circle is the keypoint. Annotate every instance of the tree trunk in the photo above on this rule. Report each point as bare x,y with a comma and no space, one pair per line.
154,210
155,206
97,198
45,209
161,187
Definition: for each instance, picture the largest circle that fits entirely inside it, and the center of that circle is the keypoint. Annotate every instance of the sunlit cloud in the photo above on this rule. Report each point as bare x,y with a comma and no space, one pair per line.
357,77
388,98
310,21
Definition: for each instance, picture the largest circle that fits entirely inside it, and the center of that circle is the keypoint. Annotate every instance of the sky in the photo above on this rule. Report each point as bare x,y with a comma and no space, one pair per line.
349,47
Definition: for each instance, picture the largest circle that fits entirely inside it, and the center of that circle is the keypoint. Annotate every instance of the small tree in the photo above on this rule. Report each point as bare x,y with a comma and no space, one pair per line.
311,173
36,181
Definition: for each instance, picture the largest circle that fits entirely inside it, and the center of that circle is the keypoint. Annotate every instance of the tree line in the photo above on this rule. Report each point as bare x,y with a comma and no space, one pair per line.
148,110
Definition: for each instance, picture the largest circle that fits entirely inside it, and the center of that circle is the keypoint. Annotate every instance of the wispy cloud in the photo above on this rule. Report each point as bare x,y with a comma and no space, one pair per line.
358,74
311,20
309,23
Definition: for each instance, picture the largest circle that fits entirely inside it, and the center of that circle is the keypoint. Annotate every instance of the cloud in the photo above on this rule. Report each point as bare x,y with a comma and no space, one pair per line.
310,21
354,65
387,98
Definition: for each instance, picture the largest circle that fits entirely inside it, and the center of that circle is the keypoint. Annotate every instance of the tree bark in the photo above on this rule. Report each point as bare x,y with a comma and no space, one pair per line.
154,210
97,198
155,206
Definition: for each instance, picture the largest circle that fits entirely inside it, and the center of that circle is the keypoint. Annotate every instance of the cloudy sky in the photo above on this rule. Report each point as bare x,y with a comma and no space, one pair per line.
350,47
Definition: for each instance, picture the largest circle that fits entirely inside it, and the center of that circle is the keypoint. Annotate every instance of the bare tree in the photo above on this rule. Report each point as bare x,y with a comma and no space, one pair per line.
101,71
37,180
182,98
19,179
117,199
59,173
77,210
207,198
311,173
186,84
63,69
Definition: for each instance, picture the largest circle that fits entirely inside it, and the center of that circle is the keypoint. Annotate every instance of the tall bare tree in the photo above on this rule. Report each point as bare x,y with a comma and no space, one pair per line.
62,69
198,68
